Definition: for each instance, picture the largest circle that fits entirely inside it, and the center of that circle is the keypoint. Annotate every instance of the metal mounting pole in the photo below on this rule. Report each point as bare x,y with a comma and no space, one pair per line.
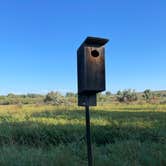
88,134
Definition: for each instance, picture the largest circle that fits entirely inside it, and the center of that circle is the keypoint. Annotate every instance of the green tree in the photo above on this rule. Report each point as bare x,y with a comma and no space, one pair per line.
70,94
126,96
108,93
11,95
148,95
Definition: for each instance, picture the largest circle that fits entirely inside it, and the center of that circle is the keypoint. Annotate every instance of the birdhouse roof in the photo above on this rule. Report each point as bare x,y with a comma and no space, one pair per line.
95,41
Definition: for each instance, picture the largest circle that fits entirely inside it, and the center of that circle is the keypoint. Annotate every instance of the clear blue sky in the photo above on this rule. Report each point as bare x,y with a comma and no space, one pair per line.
39,38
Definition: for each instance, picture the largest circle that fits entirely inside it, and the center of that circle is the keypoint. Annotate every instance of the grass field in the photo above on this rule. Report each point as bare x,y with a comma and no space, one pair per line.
122,135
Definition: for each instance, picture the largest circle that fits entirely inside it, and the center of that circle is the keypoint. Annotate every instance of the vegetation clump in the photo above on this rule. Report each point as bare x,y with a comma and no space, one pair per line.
126,96
54,98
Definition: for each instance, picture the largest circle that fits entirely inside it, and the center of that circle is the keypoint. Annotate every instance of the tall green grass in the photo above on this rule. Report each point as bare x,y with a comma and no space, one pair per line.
55,135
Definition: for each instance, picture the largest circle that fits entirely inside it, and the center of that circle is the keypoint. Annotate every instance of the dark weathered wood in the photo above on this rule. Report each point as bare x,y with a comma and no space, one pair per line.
91,69
91,79
88,133
82,99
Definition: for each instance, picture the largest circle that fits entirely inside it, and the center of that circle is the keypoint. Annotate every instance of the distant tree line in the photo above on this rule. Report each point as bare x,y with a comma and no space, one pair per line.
56,98
21,99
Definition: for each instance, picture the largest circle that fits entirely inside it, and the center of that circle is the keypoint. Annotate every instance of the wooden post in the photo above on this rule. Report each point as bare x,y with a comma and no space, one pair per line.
88,133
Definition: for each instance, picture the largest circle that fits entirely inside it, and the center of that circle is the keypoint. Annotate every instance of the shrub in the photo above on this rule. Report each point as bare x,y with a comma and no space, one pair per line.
126,96
148,95
54,98
108,93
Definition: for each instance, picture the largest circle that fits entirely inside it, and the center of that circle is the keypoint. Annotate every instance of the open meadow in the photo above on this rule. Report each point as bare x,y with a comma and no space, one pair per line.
122,135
